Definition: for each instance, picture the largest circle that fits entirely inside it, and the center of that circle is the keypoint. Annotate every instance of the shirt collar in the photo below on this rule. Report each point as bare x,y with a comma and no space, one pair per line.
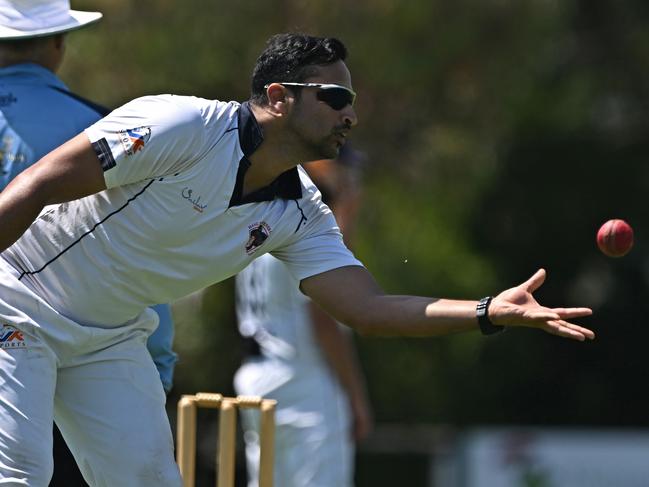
32,71
251,134
286,186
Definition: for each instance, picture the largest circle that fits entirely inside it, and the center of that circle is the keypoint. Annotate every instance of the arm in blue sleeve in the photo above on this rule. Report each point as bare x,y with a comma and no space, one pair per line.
160,345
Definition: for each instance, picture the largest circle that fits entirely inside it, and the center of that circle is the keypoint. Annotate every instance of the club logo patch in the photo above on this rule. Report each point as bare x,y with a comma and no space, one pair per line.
10,337
259,232
134,140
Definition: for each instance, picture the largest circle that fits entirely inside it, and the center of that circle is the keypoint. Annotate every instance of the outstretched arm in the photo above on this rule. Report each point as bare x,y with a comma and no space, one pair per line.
351,295
70,172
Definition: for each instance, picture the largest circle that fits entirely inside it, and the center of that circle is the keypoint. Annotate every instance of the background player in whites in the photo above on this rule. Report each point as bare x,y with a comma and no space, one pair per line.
39,112
302,357
96,231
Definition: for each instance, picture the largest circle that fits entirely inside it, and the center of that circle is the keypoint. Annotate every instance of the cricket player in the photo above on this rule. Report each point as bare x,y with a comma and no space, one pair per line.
300,356
38,112
164,196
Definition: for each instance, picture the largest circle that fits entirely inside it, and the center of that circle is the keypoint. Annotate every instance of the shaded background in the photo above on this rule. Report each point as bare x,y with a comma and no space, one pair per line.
500,135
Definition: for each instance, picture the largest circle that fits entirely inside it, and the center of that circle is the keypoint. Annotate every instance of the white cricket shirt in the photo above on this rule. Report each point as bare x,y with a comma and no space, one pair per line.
272,311
173,219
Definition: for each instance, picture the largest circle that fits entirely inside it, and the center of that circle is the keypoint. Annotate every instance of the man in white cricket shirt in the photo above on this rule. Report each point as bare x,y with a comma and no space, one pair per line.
164,196
38,112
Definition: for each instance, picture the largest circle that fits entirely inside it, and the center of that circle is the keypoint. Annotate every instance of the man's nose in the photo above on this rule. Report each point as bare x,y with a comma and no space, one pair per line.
349,116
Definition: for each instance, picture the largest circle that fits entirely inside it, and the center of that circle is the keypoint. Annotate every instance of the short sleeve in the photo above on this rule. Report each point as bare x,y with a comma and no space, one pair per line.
15,154
149,137
320,248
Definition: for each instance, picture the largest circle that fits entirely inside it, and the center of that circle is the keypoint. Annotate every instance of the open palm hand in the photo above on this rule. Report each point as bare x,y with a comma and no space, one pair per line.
517,307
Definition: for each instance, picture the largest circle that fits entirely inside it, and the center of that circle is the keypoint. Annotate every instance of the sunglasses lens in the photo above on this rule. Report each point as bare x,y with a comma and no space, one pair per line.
336,98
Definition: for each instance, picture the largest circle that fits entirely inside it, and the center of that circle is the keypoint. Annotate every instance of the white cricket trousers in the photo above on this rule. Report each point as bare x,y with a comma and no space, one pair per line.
99,385
313,444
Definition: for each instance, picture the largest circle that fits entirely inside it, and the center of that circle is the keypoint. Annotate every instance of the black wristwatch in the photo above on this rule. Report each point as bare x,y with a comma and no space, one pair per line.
482,312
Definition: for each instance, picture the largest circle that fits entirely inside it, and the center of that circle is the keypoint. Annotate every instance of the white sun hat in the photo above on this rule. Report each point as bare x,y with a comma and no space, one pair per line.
24,19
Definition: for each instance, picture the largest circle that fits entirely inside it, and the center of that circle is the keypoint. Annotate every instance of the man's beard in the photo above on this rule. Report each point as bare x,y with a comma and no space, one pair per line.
313,150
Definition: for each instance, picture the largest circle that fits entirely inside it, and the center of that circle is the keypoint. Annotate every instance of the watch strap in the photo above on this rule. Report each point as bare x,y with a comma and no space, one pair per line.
482,313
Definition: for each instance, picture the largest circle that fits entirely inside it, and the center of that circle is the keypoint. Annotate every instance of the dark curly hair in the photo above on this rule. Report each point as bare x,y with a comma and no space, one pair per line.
292,57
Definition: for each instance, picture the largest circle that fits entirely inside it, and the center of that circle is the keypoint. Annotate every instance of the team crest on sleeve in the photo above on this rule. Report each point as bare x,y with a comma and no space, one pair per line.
10,337
134,140
259,232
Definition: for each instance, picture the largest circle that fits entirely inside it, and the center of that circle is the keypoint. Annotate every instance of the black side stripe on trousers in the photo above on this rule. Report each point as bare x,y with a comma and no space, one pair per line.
128,201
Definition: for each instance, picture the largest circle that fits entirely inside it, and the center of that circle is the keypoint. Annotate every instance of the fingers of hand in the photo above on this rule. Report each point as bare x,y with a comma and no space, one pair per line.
569,330
534,282
542,315
572,312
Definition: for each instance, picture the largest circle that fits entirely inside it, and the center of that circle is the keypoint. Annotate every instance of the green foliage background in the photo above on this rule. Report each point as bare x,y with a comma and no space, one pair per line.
499,135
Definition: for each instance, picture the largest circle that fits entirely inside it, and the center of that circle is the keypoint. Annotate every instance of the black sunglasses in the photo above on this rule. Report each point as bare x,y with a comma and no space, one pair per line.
336,96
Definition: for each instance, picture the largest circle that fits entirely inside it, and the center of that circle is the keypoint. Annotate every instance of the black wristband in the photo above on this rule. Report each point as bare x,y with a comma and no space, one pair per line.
482,312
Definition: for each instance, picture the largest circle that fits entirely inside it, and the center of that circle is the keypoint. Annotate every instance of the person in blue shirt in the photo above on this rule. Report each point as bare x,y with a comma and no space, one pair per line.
39,112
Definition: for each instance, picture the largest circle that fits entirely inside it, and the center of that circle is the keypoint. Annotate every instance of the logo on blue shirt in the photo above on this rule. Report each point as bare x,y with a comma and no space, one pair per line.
7,99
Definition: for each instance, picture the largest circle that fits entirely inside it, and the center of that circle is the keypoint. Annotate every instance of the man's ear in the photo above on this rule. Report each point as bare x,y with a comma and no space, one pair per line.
59,41
278,98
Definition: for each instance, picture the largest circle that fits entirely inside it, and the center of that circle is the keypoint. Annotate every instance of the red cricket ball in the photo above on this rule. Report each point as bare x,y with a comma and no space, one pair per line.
615,238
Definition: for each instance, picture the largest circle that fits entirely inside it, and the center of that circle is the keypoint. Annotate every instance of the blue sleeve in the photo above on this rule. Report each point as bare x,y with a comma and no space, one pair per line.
15,155
160,346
